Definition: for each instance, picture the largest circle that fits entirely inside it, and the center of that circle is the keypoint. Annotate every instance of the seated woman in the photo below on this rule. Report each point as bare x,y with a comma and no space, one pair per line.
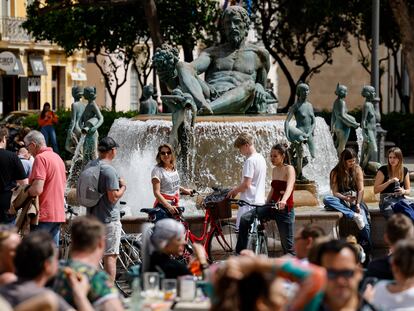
392,181
281,193
398,294
347,186
257,283
164,243
166,183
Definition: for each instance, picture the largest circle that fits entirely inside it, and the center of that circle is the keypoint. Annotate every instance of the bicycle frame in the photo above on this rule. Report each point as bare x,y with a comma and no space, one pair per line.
210,224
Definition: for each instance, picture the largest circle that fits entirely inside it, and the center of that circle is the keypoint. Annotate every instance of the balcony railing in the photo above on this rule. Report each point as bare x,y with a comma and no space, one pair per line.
11,29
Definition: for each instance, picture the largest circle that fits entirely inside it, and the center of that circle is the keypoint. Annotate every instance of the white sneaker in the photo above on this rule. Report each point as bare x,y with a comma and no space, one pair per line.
359,221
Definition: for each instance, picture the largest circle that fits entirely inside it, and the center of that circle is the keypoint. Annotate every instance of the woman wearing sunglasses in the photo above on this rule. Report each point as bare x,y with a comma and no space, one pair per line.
166,183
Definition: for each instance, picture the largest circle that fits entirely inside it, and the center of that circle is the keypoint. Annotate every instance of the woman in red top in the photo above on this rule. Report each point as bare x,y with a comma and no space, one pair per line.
46,120
283,182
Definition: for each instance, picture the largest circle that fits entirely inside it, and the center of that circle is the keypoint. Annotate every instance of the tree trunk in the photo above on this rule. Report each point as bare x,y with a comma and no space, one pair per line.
405,20
153,23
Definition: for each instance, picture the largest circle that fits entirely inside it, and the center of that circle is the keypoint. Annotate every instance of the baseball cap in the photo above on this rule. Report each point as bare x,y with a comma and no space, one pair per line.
106,144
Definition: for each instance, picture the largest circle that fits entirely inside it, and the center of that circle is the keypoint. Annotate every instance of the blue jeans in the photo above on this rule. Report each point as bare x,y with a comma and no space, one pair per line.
53,228
49,133
284,221
340,205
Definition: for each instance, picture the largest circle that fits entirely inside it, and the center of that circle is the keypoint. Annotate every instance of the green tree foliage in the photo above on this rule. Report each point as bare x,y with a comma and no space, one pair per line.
64,122
184,22
304,32
108,31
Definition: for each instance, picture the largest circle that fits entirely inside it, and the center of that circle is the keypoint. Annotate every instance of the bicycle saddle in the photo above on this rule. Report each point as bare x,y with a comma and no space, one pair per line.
149,211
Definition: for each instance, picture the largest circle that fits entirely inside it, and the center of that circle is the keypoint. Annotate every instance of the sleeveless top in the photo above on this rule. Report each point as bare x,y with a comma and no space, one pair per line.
279,186
390,188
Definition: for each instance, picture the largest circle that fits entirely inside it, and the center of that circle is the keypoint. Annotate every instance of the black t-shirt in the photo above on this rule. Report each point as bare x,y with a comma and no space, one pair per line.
171,267
390,188
380,268
11,169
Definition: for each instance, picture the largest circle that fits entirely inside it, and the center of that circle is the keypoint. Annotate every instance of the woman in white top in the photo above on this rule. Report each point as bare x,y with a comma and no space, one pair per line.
398,294
166,183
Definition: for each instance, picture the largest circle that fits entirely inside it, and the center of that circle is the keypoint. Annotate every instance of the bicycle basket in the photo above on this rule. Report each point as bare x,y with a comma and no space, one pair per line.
218,205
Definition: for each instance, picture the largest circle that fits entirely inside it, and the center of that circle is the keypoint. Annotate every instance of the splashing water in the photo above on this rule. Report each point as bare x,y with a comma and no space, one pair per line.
214,160
76,165
360,139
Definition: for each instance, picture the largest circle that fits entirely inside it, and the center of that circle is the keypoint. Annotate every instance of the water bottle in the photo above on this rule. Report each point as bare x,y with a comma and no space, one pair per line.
137,297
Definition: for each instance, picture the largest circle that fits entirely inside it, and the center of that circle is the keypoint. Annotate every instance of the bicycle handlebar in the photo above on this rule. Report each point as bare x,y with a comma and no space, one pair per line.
243,202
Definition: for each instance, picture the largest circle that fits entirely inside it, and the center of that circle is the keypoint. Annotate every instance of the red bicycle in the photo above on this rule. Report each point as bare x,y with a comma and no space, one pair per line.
218,236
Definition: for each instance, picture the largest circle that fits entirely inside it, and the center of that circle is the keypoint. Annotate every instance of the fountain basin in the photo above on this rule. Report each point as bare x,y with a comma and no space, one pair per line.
212,161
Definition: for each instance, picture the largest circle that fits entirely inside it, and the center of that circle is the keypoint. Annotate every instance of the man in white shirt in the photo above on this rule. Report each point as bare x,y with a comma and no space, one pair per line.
252,186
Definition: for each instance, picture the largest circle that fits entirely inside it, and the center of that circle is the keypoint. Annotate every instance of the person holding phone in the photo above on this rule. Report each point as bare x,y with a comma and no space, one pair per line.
347,186
46,120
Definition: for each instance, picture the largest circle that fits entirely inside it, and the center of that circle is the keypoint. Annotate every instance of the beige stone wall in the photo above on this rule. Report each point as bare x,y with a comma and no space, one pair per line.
345,69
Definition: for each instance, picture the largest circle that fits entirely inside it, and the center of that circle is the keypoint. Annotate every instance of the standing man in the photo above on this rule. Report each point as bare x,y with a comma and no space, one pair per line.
11,171
48,181
108,210
252,186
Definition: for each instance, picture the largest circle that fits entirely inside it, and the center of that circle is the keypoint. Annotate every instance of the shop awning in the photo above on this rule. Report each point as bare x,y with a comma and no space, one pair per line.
17,69
78,76
37,65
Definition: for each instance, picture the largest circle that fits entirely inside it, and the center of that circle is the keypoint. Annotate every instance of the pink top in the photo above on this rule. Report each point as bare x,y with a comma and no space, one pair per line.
48,166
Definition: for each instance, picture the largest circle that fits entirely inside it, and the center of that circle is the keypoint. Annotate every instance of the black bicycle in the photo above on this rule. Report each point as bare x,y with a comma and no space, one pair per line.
257,237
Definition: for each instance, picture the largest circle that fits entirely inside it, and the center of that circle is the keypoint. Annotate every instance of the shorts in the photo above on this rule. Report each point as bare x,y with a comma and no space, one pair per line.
113,238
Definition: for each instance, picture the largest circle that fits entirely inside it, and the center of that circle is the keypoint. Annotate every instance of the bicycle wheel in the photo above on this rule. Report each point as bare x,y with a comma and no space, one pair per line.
129,256
65,241
223,242
261,247
252,237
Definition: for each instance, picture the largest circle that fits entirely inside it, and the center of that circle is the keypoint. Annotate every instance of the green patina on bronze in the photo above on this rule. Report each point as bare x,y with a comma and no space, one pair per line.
341,121
302,133
370,116
235,71
74,131
89,123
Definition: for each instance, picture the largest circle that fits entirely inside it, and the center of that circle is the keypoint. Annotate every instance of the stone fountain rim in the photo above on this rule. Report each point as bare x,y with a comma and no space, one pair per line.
217,118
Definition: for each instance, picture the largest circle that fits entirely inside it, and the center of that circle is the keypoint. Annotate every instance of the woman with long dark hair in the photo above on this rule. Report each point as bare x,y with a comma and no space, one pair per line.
166,183
46,120
281,194
392,181
347,186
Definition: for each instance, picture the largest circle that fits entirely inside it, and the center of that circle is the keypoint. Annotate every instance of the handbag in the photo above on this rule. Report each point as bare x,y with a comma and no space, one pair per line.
388,201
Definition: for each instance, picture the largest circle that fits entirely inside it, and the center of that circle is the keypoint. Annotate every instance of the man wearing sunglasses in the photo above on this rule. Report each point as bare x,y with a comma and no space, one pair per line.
344,273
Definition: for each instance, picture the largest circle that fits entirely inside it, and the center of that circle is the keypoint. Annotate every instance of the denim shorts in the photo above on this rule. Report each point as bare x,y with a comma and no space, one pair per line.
113,238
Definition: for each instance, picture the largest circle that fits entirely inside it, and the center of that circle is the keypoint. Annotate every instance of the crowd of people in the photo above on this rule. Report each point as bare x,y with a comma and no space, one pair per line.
321,273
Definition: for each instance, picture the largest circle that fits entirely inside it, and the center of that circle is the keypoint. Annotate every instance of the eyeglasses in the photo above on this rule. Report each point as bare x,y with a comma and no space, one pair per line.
165,153
334,274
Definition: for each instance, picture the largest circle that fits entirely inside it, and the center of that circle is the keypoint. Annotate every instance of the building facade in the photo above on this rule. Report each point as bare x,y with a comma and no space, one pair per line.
42,73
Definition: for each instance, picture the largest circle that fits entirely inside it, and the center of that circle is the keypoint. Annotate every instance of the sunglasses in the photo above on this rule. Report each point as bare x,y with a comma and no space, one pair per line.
165,153
334,274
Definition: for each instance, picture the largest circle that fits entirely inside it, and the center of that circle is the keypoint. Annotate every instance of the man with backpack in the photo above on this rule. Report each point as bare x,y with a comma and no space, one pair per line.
110,188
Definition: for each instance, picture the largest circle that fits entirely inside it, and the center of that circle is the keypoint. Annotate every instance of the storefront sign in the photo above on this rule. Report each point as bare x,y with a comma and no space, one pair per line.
7,61
34,84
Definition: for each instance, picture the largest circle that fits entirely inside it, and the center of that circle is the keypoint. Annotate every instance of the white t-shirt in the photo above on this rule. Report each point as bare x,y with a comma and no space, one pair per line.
255,168
169,180
385,300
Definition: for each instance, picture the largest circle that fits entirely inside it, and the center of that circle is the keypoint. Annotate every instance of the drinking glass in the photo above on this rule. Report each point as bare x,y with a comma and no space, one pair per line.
169,288
151,281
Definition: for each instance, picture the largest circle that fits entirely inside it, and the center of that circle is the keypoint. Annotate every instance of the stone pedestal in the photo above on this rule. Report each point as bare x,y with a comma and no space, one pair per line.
305,194
369,195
